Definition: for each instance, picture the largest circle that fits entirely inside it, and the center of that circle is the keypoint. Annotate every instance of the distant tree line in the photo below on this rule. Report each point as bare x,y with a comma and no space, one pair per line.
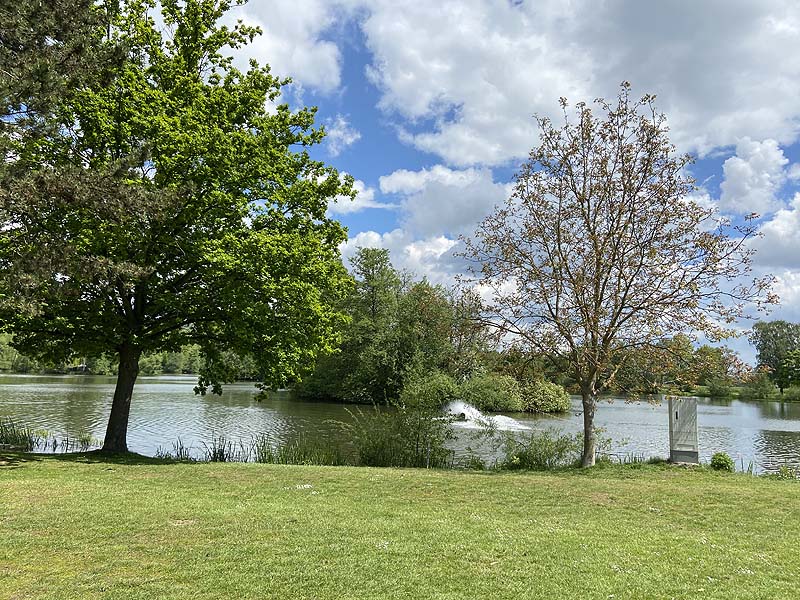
187,360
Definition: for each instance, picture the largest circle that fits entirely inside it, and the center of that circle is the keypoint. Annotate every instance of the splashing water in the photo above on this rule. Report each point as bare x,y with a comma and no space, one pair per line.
471,418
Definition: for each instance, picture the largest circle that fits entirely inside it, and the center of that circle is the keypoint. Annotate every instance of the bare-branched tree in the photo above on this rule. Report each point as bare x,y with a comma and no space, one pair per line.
601,250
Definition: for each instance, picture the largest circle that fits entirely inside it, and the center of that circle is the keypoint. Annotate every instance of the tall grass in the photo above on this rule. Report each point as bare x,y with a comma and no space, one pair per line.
301,451
180,452
406,437
221,449
18,436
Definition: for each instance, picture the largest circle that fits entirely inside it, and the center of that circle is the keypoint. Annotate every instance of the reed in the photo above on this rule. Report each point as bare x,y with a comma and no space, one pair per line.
301,451
18,436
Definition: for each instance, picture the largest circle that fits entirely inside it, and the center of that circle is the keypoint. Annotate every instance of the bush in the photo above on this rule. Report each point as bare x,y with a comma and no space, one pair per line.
541,396
787,472
791,394
431,391
722,462
493,392
759,386
543,450
719,388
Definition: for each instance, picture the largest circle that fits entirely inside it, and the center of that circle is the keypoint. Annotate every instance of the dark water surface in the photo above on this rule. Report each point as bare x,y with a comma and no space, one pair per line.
165,408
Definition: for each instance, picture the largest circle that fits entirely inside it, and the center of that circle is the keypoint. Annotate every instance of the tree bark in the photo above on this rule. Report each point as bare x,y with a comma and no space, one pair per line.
589,402
116,440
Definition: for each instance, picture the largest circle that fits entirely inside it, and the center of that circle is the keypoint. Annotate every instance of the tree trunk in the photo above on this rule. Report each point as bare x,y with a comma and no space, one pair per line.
589,403
116,439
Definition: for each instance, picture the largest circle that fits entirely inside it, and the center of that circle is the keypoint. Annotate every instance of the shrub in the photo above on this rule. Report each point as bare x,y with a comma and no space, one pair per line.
722,462
759,386
541,396
787,472
719,388
543,450
791,394
493,392
430,391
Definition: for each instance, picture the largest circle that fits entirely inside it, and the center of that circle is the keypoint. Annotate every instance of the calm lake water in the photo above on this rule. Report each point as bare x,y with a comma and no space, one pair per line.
165,409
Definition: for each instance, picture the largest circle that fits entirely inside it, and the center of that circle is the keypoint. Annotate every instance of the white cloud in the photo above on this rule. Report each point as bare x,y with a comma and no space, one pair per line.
794,172
440,199
779,245
466,76
787,287
339,134
753,178
403,181
365,198
430,257
292,42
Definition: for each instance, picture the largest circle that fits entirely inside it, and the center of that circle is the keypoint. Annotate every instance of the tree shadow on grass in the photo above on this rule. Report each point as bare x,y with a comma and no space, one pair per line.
11,459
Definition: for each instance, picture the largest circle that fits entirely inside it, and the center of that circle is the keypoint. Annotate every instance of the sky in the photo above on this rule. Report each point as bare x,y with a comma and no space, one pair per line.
430,106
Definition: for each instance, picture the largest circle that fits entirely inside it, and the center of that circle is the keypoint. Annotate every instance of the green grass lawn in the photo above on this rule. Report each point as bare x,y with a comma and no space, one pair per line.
71,528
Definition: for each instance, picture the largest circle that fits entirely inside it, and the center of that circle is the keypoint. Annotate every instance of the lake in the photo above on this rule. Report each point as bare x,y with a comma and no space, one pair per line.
165,408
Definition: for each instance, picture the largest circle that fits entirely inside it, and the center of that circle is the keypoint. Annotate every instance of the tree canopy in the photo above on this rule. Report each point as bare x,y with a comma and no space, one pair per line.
774,341
172,201
600,250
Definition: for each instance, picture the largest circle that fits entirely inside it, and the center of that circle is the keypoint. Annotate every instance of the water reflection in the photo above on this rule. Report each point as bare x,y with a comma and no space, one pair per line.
165,409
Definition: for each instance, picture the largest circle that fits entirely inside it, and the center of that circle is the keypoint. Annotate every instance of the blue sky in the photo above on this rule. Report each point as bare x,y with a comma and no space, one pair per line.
429,105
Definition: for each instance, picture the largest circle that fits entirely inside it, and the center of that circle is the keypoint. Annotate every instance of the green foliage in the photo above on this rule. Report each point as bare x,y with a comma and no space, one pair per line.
787,472
721,461
493,392
774,341
719,388
102,365
48,50
222,449
401,437
759,386
540,396
585,266
791,367
791,394
429,392
542,450
180,452
398,328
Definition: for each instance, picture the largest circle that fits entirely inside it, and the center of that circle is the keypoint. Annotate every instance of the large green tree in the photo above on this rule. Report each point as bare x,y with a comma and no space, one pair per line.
173,201
774,340
601,252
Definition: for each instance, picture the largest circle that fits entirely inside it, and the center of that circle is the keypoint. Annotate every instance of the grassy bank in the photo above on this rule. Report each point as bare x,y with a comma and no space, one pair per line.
75,528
